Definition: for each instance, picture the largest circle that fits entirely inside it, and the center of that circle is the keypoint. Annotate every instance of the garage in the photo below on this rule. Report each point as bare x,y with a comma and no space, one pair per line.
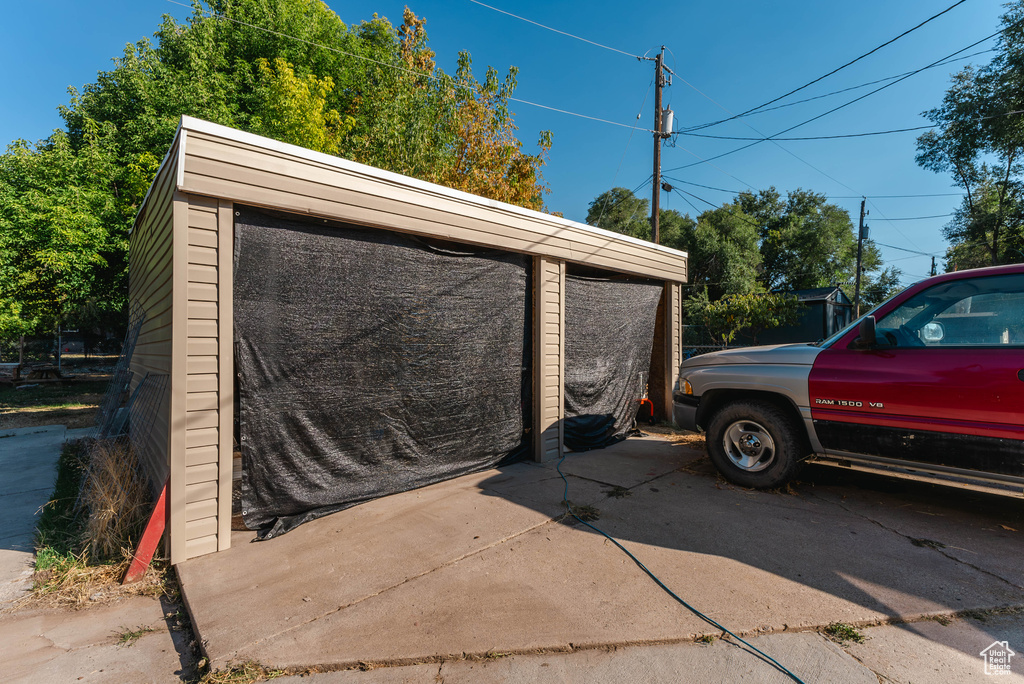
353,333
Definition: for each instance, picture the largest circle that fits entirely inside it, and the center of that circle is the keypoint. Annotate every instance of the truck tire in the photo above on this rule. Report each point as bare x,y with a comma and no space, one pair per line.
755,444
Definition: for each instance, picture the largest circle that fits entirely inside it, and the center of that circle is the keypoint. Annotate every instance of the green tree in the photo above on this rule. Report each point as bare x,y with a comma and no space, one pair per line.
752,313
63,228
805,242
979,141
723,252
620,211
369,92
294,109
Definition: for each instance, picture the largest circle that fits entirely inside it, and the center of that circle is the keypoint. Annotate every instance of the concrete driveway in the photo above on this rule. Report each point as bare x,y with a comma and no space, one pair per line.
483,565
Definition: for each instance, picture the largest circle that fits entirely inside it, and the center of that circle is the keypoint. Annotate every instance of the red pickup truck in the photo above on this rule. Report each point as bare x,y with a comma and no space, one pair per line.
927,386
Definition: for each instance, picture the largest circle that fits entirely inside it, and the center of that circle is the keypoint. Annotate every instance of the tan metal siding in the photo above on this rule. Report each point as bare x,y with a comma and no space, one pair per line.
204,470
549,353
222,167
149,286
674,342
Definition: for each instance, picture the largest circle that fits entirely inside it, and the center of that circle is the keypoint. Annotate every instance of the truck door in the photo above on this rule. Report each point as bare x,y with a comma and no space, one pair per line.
944,385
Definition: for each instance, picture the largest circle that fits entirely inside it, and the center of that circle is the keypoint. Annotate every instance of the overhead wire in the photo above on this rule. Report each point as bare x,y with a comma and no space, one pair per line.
918,218
737,192
847,135
549,28
836,92
774,142
630,140
850,63
846,104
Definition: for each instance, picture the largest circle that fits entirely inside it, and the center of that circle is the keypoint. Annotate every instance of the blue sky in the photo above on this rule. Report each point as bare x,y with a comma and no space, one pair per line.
737,54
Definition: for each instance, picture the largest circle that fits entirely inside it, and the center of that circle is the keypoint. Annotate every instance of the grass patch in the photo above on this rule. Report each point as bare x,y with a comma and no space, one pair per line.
128,637
617,492
705,639
842,633
72,404
584,512
928,543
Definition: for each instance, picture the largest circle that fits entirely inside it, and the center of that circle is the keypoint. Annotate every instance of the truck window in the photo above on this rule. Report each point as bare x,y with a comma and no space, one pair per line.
987,311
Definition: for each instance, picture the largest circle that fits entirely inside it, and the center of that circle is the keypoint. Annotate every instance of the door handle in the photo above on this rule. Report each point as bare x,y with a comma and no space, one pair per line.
1020,374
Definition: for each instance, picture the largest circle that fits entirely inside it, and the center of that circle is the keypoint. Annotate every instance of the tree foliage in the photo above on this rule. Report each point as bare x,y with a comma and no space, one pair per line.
979,142
751,313
620,211
370,92
758,244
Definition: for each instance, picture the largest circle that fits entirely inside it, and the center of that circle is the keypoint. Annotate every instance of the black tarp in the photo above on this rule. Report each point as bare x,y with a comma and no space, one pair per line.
370,362
609,334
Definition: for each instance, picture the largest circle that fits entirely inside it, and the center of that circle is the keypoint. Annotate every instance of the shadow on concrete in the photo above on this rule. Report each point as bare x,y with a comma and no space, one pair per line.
836,546
486,563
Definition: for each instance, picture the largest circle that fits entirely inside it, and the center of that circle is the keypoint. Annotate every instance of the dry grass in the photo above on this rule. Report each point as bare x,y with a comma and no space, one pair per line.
245,673
73,581
693,440
116,500
83,551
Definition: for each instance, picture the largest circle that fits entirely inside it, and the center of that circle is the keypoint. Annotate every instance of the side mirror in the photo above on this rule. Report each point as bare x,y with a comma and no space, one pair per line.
866,330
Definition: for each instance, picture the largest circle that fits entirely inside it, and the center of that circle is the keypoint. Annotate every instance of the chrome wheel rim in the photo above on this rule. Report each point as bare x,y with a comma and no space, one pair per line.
749,446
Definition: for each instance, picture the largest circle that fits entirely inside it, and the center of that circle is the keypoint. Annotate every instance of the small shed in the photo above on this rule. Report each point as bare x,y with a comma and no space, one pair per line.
352,332
826,311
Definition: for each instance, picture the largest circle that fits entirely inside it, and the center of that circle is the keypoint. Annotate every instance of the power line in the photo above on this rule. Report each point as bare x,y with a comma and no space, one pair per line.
846,104
837,92
939,194
787,151
630,140
893,225
570,35
418,74
847,135
813,137
854,61
904,249
706,187
831,197
919,218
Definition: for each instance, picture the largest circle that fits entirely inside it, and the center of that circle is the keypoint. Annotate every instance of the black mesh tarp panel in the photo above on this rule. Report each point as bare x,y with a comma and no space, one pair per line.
609,333
369,363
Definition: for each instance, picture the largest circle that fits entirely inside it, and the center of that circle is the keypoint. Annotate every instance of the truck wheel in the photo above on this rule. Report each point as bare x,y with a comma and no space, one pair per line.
755,444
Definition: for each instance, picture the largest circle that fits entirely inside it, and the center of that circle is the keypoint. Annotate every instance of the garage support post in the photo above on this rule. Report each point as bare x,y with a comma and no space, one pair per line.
548,358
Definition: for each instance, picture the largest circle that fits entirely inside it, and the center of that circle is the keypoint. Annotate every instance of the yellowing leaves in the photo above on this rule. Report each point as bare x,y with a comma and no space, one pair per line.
294,108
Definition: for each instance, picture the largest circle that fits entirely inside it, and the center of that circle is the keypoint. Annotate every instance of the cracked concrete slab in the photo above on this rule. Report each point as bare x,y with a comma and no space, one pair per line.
343,559
808,655
929,651
82,645
472,566
973,528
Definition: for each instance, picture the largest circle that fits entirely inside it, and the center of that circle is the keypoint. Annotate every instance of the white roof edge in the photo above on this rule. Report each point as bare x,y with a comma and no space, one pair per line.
202,126
167,156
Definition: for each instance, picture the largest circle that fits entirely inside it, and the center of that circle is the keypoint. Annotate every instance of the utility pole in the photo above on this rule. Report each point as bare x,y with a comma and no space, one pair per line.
860,254
659,83
933,266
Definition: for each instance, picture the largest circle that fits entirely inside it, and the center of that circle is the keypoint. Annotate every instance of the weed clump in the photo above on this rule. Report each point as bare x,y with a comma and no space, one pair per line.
842,633
90,526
